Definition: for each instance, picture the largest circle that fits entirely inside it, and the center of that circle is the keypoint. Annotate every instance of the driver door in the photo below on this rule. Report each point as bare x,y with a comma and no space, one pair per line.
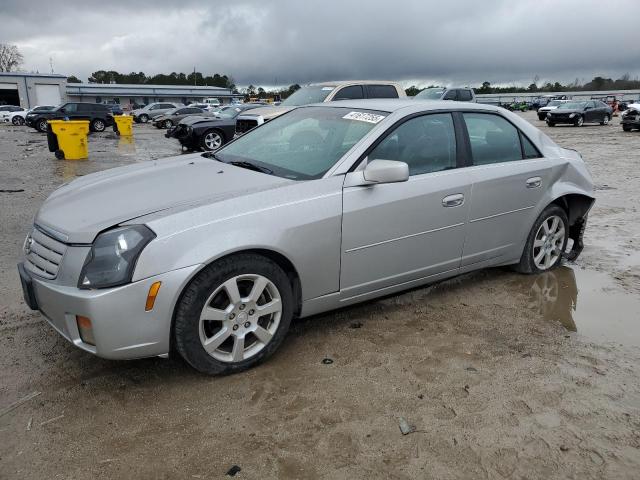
397,233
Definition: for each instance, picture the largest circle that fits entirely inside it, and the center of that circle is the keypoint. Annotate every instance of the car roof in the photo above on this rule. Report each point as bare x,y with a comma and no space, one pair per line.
394,104
351,82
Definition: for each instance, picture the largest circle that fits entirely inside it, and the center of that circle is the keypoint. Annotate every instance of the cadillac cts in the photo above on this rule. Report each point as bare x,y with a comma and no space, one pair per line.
328,205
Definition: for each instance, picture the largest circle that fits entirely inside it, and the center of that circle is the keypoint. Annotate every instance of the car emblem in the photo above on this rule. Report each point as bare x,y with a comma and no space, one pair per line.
27,245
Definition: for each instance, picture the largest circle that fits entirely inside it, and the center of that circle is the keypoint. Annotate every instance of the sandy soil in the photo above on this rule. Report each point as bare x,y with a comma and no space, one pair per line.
488,368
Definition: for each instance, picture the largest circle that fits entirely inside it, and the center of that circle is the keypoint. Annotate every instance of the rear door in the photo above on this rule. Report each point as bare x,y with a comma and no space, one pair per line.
401,232
509,179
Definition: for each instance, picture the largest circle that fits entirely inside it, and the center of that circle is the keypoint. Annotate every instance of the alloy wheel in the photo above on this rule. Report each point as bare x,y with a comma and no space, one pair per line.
240,318
212,141
98,125
548,242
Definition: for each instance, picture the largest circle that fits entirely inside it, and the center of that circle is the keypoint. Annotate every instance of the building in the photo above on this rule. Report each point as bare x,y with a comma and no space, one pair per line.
128,95
31,89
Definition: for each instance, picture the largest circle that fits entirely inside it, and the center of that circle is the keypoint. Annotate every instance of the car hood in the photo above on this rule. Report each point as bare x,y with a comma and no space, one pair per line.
267,113
193,119
562,111
81,209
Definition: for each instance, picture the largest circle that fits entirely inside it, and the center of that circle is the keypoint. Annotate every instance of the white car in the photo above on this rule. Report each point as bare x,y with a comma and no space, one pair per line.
552,105
17,118
7,110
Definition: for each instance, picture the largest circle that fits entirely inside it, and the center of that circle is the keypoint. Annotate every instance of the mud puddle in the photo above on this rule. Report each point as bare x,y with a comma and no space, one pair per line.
586,302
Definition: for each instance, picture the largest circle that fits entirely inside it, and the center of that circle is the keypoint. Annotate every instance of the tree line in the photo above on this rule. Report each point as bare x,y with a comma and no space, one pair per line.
173,78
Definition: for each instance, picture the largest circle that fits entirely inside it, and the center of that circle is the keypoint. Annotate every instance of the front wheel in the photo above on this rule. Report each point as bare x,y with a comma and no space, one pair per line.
626,128
17,120
234,314
211,140
168,124
41,126
144,118
579,121
546,242
550,123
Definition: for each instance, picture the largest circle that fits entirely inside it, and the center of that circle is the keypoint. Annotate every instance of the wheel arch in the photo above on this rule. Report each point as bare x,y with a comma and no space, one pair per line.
577,205
277,257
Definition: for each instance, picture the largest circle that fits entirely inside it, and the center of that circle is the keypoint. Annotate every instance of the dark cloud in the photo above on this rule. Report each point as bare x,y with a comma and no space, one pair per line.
287,41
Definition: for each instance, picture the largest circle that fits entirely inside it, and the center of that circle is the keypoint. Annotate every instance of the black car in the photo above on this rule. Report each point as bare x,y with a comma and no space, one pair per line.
99,116
579,113
208,133
630,119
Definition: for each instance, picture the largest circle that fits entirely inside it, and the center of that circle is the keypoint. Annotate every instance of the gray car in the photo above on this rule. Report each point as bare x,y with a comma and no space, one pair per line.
143,115
212,255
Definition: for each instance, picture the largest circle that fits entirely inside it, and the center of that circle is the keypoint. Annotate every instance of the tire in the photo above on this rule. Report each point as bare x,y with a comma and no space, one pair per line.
97,125
59,154
605,120
41,125
168,124
208,290
211,140
626,128
551,124
542,117
144,118
579,121
17,120
531,262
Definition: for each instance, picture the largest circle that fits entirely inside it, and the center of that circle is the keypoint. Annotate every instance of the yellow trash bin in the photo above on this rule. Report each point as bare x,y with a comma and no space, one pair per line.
68,139
123,125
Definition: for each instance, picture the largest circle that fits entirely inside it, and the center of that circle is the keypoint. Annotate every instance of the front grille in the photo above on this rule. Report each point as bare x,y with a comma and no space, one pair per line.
43,254
243,126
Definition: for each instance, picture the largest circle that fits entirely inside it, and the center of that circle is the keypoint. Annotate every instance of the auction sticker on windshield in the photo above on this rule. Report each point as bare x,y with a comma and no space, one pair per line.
364,117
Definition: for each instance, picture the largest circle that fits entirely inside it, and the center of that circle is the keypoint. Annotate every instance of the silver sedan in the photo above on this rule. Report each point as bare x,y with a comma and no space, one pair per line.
212,256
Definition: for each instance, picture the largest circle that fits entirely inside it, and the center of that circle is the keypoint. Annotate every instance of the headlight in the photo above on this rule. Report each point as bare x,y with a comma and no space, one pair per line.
113,256
572,115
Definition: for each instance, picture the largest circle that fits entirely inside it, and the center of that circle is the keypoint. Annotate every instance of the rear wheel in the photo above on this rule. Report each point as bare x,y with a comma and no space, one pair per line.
144,118
17,120
550,123
168,124
98,125
234,314
579,121
626,128
546,242
211,140
605,120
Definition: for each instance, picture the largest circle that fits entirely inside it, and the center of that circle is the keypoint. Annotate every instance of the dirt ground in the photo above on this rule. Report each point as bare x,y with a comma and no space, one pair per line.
488,367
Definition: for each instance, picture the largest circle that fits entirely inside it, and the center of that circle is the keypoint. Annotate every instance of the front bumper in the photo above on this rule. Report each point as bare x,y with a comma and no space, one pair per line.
121,327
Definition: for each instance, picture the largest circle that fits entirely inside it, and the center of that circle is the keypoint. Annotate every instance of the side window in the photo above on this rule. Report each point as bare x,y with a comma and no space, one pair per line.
155,107
426,144
169,105
464,95
350,93
450,95
71,108
528,148
493,139
382,91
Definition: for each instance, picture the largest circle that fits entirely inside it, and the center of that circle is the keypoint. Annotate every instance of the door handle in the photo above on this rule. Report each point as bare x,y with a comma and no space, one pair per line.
454,200
534,182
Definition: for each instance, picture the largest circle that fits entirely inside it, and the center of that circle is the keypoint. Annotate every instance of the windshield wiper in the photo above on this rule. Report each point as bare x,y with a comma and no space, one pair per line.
251,166
212,155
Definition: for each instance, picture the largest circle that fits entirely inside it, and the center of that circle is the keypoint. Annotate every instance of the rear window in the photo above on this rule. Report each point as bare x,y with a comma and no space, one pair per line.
382,91
464,95
353,92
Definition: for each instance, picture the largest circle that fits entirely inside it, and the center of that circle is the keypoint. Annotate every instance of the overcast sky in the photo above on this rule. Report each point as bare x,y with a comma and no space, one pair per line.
281,42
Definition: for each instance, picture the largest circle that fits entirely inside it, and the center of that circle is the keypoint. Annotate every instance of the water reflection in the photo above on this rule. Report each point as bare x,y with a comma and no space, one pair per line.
587,302
70,169
126,145
554,295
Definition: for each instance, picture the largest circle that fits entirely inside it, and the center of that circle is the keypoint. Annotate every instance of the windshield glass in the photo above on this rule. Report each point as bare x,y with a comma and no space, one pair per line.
307,95
572,106
554,103
433,93
172,111
229,112
304,143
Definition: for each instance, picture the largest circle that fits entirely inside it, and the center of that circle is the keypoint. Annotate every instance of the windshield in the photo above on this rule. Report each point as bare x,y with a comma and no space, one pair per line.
433,93
172,111
572,106
554,103
304,143
307,95
229,112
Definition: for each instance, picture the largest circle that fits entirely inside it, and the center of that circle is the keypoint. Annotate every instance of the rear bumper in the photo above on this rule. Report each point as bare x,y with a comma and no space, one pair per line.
121,327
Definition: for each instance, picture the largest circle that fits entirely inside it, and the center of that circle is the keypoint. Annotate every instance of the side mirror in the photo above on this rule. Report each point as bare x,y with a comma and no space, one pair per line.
62,110
386,171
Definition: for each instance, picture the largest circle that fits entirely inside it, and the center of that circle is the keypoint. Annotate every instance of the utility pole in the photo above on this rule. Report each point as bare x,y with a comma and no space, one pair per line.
194,77
51,63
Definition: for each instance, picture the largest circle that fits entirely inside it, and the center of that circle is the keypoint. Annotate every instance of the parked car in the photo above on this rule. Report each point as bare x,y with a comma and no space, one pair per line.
465,94
579,113
115,108
143,115
175,115
320,92
99,116
630,118
323,207
206,133
7,110
552,105
544,100
17,118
